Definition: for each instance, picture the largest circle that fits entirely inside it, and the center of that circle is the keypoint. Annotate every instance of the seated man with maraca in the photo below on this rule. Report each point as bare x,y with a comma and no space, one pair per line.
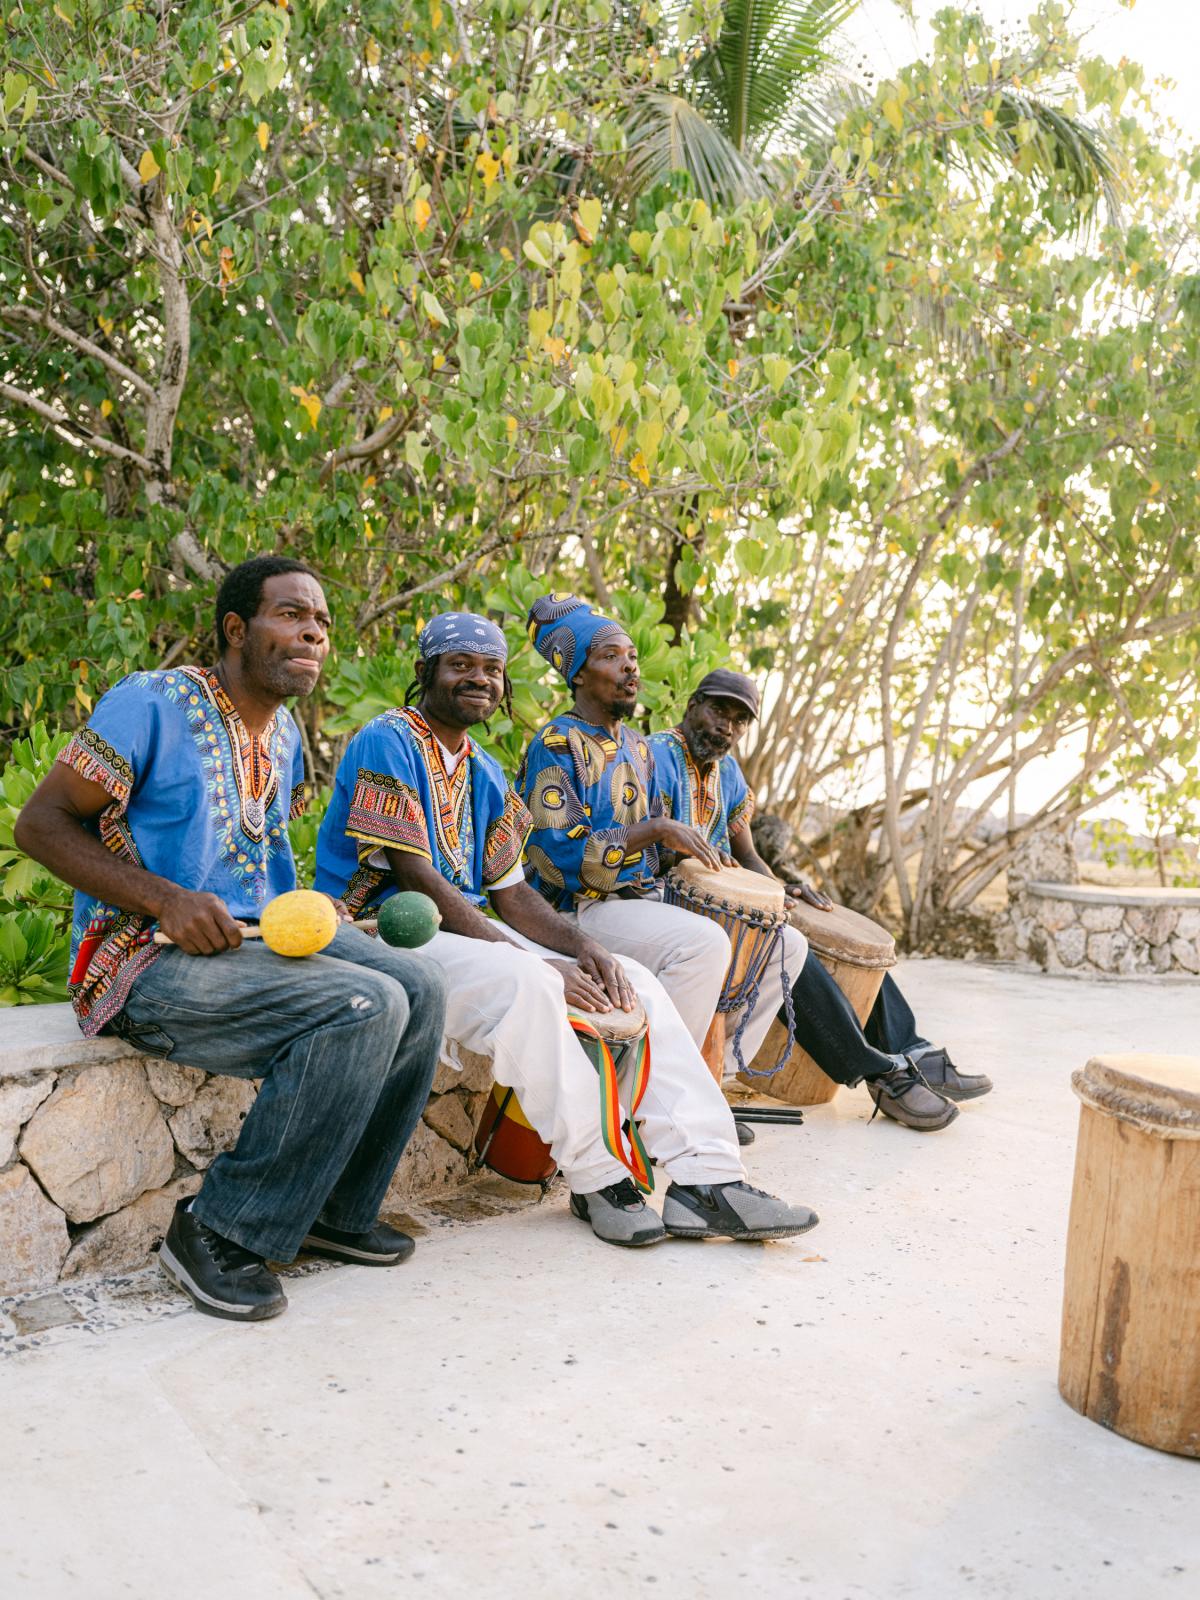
417,805
702,784
169,812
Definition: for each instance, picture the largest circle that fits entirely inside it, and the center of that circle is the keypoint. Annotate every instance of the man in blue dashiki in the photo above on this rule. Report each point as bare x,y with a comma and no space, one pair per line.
701,782
169,812
418,805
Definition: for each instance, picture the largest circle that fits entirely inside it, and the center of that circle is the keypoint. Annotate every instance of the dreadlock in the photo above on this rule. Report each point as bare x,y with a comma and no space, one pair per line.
423,682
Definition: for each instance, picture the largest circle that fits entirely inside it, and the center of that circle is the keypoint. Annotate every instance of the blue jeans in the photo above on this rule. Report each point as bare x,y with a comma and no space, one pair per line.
346,1044
825,1025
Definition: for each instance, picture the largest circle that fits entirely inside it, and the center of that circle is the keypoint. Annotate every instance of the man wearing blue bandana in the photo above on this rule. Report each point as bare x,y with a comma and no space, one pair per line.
702,784
417,805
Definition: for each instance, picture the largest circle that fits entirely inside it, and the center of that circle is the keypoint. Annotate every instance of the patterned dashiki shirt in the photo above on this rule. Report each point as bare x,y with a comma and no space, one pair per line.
392,791
196,798
585,790
718,802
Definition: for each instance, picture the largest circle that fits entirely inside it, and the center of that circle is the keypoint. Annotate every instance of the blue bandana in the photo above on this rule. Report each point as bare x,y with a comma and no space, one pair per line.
461,630
563,628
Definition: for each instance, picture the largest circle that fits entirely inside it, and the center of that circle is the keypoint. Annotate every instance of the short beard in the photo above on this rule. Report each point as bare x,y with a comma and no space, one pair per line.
273,676
706,749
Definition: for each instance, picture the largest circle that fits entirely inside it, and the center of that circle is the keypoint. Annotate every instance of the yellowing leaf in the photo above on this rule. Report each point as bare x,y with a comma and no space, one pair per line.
893,549
476,280
422,211
435,16
1029,407
439,361
106,325
310,403
264,135
893,113
488,167
421,141
148,168
371,53
356,278
733,367
511,424
506,252
588,216
556,349
388,411
989,118
106,408
637,465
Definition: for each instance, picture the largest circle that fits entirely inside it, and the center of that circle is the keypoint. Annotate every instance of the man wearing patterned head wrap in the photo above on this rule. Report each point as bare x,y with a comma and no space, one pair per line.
417,805
597,825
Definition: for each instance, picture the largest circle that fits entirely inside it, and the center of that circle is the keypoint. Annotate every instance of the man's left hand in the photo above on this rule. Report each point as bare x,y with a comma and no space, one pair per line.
608,972
810,896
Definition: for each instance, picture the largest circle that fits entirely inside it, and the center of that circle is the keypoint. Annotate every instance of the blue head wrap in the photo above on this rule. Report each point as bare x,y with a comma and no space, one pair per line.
563,628
461,630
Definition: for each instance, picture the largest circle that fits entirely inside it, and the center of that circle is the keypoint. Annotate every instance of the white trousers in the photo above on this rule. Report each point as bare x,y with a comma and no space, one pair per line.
507,1003
689,955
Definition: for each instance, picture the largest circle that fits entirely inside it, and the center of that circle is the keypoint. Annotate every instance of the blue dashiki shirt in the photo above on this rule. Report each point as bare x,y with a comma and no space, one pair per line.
717,802
392,792
196,798
585,790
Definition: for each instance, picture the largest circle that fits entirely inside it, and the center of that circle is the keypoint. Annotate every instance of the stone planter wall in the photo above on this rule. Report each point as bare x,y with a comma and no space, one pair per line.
1086,928
98,1143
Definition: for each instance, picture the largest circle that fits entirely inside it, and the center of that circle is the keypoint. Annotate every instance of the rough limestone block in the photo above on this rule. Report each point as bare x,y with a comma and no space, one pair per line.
1188,926
1106,949
1071,945
1054,915
1102,919
476,1073
428,1163
1154,924
1185,954
33,1234
173,1085
212,1121
1160,958
448,1116
99,1141
122,1242
18,1102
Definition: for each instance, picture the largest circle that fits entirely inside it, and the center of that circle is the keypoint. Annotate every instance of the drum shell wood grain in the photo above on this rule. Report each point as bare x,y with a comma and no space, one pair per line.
1130,1350
847,957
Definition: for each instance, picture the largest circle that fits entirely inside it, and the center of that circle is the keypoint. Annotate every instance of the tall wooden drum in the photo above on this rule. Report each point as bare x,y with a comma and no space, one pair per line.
1130,1356
856,952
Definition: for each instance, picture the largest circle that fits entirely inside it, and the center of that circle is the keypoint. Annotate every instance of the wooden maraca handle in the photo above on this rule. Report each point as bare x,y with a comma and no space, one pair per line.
368,925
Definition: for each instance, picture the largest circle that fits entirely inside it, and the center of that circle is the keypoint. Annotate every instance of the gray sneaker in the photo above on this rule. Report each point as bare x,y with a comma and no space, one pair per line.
619,1215
731,1211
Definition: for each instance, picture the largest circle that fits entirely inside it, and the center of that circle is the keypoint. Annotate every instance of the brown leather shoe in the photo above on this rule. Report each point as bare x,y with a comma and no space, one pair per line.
903,1095
944,1078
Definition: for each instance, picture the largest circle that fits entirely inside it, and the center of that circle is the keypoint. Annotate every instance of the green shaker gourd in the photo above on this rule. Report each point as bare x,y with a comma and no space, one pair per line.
408,919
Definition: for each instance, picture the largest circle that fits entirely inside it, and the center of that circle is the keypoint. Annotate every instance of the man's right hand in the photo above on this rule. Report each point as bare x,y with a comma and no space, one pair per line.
199,924
685,841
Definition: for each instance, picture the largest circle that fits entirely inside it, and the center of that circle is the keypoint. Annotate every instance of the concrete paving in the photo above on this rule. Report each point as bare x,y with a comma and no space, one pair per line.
867,1413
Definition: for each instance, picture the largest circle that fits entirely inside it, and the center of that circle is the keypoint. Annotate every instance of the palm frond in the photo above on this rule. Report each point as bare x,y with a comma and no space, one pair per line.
1068,153
765,61
665,133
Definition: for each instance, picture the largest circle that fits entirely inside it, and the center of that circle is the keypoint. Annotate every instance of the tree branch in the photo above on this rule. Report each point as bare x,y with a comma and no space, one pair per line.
75,432
77,341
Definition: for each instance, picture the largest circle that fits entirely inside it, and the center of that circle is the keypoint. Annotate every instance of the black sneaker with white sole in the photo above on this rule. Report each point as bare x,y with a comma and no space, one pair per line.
218,1276
380,1246
731,1211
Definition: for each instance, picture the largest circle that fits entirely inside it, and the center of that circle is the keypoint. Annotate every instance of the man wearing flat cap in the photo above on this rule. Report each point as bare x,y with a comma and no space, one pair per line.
702,785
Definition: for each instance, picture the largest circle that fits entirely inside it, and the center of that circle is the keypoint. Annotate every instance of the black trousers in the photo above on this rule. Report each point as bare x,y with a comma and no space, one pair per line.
825,1025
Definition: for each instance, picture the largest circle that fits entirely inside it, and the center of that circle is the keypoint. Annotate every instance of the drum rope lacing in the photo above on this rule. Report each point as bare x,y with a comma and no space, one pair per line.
789,1012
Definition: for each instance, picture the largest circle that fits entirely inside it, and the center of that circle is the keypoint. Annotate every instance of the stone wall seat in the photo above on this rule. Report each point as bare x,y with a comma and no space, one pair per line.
97,1143
1094,929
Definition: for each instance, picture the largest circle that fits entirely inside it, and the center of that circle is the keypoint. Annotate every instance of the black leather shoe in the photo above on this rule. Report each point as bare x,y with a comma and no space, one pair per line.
218,1276
944,1078
745,1132
380,1246
903,1095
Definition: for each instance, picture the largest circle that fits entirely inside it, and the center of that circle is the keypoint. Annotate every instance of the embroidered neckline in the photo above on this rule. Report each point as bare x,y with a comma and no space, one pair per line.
450,791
